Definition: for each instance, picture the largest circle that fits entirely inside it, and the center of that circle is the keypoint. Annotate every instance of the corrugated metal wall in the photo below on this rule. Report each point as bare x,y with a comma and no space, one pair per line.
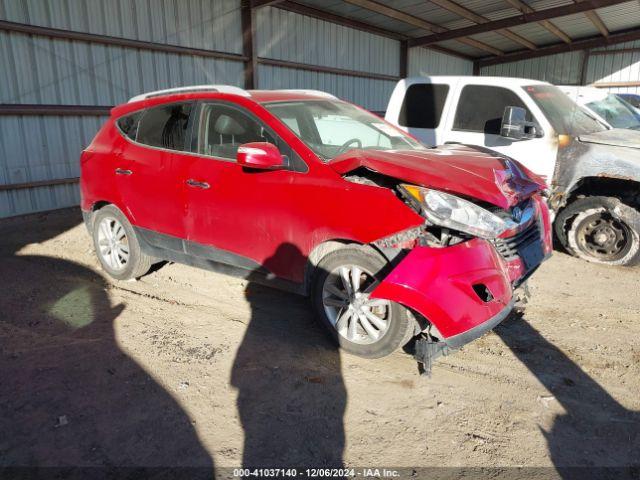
616,67
36,69
429,62
42,70
288,36
560,69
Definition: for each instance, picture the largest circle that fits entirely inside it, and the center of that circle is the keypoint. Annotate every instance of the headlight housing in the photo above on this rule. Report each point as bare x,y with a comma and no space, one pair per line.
456,213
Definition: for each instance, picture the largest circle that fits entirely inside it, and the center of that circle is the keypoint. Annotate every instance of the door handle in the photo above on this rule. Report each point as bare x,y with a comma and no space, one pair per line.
194,183
122,171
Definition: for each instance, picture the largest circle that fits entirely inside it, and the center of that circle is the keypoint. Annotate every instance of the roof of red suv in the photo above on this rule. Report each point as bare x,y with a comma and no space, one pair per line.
217,91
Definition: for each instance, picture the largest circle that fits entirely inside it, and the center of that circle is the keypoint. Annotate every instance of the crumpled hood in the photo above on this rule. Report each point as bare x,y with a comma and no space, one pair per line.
456,169
618,137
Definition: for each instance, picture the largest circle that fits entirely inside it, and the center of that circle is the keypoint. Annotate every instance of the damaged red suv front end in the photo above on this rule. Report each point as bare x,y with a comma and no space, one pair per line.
461,280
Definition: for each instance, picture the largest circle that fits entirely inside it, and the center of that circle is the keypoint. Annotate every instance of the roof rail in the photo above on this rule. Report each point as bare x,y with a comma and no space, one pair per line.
195,88
319,93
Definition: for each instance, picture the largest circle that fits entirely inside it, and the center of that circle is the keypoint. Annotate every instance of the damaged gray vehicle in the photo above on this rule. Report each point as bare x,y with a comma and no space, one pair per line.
596,183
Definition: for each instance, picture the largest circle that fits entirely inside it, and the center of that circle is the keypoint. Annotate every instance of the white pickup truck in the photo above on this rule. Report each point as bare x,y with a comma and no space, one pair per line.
593,171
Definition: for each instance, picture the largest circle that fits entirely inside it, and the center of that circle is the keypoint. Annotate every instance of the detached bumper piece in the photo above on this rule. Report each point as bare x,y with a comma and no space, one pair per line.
463,290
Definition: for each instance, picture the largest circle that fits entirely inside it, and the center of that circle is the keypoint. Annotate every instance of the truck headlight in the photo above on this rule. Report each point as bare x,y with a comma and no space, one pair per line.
456,213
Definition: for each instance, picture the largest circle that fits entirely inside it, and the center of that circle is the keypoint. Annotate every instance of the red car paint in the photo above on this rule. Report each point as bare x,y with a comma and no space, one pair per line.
255,214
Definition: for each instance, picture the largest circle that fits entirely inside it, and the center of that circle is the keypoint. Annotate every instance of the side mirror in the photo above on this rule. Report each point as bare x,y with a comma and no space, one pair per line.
515,126
260,155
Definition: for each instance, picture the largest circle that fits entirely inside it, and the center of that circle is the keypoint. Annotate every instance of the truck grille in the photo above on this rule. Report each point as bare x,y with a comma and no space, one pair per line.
509,247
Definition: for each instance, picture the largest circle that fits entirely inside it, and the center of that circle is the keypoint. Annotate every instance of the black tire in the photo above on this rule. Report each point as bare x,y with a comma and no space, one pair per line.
137,263
399,327
601,230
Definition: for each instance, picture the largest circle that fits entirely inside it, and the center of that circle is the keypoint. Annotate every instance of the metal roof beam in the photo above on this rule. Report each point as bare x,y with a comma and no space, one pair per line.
583,44
418,22
523,19
524,8
474,17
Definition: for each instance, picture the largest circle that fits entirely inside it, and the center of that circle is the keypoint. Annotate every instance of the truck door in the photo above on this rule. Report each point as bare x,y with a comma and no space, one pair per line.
477,120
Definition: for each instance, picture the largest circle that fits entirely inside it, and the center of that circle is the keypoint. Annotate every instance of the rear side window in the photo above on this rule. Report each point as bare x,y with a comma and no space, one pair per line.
128,125
422,106
165,126
481,107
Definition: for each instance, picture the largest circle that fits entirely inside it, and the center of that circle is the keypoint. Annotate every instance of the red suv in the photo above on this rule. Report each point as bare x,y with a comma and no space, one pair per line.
300,190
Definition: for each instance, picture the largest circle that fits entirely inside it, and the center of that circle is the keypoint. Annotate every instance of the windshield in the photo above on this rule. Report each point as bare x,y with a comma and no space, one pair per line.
331,127
617,112
565,116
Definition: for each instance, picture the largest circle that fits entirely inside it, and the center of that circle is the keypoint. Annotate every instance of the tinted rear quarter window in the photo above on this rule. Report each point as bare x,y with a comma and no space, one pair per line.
422,106
480,108
128,125
165,126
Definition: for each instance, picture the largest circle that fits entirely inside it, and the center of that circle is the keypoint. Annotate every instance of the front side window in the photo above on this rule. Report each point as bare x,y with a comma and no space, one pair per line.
481,107
617,112
422,106
165,126
224,128
331,127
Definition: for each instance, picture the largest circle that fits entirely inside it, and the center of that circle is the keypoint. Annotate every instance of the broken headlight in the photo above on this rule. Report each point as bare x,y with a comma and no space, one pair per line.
456,213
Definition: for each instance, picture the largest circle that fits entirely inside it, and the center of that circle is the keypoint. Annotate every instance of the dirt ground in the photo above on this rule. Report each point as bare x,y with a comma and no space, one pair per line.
191,368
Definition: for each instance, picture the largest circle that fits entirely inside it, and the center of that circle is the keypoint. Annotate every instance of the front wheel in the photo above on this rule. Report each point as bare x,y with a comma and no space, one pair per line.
604,230
363,326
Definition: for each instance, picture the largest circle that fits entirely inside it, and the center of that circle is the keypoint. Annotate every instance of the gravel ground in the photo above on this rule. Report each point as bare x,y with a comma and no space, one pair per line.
191,368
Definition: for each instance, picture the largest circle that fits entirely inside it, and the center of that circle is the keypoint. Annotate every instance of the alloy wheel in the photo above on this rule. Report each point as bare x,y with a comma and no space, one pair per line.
113,243
355,316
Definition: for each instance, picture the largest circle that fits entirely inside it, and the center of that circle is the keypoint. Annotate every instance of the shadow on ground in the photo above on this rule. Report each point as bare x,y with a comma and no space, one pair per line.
596,431
69,396
291,409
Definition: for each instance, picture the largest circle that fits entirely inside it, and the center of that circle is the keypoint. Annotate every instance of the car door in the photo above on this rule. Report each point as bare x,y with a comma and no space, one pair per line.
143,166
235,215
477,121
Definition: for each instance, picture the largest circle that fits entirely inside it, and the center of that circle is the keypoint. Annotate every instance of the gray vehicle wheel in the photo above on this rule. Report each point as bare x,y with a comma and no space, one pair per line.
604,230
117,246
366,327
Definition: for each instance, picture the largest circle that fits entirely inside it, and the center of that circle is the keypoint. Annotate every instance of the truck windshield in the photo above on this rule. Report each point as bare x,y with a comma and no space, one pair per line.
565,116
331,127
617,112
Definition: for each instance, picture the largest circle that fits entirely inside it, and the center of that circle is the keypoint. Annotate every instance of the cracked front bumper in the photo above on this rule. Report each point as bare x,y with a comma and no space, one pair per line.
439,284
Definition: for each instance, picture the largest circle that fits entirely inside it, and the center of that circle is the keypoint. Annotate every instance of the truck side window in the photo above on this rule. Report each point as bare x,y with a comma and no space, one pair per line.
422,106
480,108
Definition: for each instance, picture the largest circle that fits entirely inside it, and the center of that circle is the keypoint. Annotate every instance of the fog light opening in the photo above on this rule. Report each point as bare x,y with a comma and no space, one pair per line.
483,292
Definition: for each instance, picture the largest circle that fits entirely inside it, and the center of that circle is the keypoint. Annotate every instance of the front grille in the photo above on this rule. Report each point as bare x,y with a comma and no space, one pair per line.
509,247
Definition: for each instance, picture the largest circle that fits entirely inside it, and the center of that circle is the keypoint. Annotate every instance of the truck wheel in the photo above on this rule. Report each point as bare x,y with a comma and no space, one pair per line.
117,246
366,327
603,230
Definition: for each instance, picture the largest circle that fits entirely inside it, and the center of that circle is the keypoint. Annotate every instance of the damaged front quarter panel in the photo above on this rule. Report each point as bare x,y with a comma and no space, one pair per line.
580,160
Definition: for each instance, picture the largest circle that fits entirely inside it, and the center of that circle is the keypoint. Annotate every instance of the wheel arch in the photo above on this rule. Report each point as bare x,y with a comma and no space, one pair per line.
625,189
325,248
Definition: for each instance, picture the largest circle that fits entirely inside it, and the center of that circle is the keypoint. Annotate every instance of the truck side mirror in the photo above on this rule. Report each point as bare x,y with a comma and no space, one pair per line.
515,126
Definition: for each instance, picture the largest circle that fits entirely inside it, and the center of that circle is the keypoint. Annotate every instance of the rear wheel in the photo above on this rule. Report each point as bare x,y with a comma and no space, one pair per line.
117,246
603,230
361,325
